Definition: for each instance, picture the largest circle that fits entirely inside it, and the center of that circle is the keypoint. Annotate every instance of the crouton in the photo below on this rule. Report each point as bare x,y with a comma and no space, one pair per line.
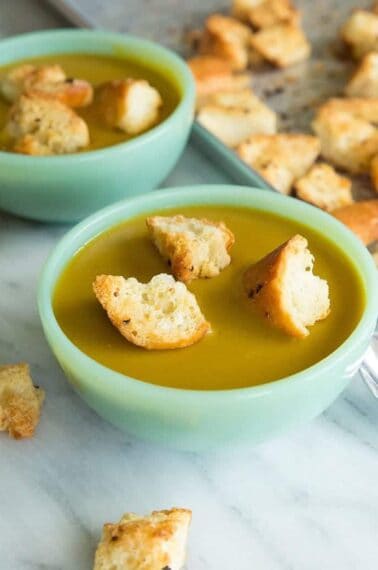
45,126
131,105
323,187
233,117
360,33
20,401
359,107
346,140
265,13
226,38
282,45
195,248
374,172
158,315
283,288
280,159
361,218
212,74
46,80
154,542
364,81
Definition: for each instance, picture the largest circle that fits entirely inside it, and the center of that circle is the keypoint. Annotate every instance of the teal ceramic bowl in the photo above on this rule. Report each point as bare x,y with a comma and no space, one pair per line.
200,419
70,187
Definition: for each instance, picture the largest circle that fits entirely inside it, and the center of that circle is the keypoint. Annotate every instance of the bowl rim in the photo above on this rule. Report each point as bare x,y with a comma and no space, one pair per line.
183,76
219,195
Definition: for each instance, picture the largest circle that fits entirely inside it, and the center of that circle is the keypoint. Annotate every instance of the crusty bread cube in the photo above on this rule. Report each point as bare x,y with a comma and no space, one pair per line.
158,315
364,81
195,248
20,401
226,38
360,32
346,140
359,107
374,172
324,187
280,159
131,105
234,116
284,289
265,13
282,45
44,126
154,542
212,74
361,218
46,80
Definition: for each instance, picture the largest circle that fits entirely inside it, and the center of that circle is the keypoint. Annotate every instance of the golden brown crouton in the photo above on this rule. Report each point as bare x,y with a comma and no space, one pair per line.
364,81
283,288
226,38
361,218
323,187
158,315
360,32
374,172
20,401
282,45
131,105
346,140
154,542
46,80
195,248
359,107
265,13
234,116
213,74
44,126
280,159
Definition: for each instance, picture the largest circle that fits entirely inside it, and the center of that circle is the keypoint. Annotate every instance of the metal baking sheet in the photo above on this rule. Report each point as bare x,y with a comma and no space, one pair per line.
293,93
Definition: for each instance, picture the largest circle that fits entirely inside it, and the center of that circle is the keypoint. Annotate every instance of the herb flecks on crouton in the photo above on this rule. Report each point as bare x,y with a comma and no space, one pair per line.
195,248
158,315
283,288
156,541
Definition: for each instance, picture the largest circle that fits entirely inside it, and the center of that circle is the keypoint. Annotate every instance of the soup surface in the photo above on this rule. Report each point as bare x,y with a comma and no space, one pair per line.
98,69
243,349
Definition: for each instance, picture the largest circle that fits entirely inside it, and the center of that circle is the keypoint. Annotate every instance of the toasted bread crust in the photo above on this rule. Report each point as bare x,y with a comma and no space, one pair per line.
46,80
20,401
364,81
42,125
131,105
153,542
264,284
266,13
282,45
348,138
360,32
212,74
226,38
361,218
189,257
323,187
138,320
282,158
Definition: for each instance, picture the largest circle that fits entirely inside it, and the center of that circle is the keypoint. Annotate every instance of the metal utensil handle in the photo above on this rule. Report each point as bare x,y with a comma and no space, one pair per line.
369,367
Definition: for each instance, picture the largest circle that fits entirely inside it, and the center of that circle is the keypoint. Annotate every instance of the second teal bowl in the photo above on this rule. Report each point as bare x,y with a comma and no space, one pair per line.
199,419
68,188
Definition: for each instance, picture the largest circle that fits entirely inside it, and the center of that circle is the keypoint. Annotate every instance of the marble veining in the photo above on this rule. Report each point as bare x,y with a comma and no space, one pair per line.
306,501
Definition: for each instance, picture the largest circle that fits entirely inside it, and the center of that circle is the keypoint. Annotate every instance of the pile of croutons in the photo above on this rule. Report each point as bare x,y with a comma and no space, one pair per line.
42,120
345,129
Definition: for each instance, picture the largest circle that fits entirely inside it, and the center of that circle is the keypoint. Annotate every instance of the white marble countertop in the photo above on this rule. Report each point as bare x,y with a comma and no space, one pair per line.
307,501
